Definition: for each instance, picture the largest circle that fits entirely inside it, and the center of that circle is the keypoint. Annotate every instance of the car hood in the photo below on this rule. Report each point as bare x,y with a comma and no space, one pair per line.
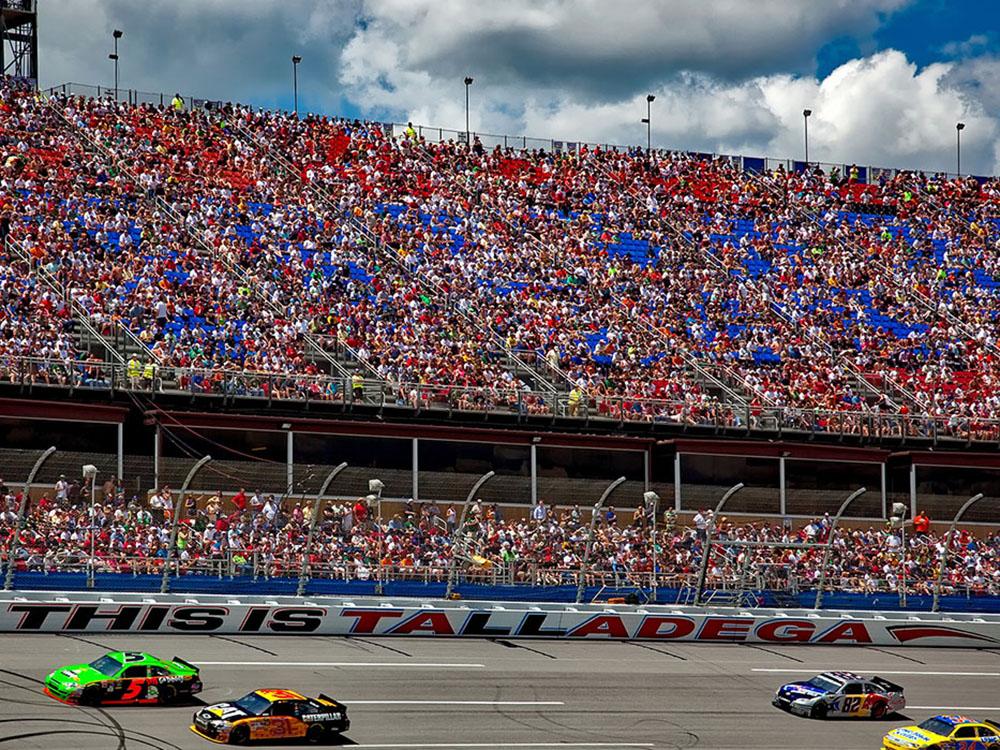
913,736
805,689
218,710
81,674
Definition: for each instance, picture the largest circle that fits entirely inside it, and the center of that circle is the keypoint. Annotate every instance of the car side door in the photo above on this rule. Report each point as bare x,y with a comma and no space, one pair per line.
131,683
852,698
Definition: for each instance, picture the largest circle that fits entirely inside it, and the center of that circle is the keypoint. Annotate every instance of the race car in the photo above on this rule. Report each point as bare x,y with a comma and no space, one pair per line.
272,714
840,694
945,733
124,677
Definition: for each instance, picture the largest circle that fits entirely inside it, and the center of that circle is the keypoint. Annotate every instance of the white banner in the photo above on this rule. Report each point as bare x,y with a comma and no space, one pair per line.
487,621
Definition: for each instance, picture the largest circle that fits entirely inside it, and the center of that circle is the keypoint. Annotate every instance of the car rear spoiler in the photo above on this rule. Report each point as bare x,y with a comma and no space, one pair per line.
993,723
891,687
325,697
184,663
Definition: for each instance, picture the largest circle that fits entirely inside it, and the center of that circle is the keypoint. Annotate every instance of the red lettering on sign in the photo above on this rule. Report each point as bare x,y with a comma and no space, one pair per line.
725,629
651,627
855,632
425,622
609,625
368,618
786,631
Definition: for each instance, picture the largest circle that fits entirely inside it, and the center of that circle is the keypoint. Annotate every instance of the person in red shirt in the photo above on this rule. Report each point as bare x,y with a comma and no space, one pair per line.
240,499
921,524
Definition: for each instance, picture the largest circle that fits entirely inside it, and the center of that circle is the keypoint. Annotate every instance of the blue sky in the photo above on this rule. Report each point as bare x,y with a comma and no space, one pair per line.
886,79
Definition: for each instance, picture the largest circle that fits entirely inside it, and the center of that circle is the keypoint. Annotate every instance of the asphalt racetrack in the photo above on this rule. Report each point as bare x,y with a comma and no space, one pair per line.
418,693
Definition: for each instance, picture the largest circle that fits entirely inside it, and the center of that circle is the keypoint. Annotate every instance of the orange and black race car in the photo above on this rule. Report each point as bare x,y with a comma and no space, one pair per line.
272,715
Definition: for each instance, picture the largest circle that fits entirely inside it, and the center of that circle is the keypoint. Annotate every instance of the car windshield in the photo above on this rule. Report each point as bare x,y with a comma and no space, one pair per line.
825,683
106,665
253,704
937,726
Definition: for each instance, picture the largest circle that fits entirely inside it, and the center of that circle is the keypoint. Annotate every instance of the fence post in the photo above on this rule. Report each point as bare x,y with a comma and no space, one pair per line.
301,590
459,534
8,581
178,510
706,553
943,559
590,536
829,543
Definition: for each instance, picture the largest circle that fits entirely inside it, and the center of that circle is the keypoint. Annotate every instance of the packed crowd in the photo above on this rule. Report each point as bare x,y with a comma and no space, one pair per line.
666,286
255,533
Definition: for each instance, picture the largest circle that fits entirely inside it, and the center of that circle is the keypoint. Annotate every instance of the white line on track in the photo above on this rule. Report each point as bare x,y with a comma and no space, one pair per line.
349,702
393,664
512,744
955,708
884,671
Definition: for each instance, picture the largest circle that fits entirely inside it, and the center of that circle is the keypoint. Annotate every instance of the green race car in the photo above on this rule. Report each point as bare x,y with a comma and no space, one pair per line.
124,677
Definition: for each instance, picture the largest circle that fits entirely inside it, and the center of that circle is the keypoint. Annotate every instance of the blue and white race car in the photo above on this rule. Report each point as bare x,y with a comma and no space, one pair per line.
841,694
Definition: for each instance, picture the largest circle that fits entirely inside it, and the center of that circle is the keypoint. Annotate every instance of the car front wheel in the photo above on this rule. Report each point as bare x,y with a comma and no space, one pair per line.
91,696
819,711
239,736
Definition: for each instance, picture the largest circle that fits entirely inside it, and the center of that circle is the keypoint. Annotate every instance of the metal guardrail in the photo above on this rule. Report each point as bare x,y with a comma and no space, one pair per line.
417,397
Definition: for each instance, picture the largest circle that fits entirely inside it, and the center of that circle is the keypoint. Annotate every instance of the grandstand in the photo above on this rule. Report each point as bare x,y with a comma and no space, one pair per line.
263,264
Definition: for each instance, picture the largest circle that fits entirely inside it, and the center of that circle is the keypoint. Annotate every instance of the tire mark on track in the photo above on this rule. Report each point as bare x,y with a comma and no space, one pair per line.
774,653
86,640
899,656
510,644
382,645
247,645
651,648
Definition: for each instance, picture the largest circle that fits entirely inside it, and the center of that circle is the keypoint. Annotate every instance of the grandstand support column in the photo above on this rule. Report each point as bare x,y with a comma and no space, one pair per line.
706,551
829,543
782,489
590,537
534,474
156,457
90,472
415,478
946,548
652,499
677,482
120,467
178,511
290,458
304,569
459,533
8,580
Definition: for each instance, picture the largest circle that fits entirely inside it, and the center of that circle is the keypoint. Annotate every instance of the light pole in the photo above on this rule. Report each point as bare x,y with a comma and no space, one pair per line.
590,537
8,581
805,122
376,486
959,127
648,120
468,134
178,509
90,472
943,559
296,59
706,552
301,590
117,34
651,499
458,536
829,542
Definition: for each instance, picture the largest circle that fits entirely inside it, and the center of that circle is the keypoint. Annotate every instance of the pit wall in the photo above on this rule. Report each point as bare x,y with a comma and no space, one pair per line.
135,613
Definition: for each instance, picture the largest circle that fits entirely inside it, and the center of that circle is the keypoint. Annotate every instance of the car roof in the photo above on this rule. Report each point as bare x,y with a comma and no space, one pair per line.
277,694
842,676
144,658
955,719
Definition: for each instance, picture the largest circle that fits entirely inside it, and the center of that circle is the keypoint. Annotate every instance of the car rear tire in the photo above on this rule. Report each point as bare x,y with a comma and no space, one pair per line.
316,733
91,696
239,736
819,711
168,694
878,710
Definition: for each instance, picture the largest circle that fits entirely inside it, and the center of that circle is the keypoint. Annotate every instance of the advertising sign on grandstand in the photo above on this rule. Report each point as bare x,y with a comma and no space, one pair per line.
483,622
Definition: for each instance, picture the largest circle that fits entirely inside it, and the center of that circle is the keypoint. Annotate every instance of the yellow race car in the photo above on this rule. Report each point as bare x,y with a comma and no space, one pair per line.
272,715
945,733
